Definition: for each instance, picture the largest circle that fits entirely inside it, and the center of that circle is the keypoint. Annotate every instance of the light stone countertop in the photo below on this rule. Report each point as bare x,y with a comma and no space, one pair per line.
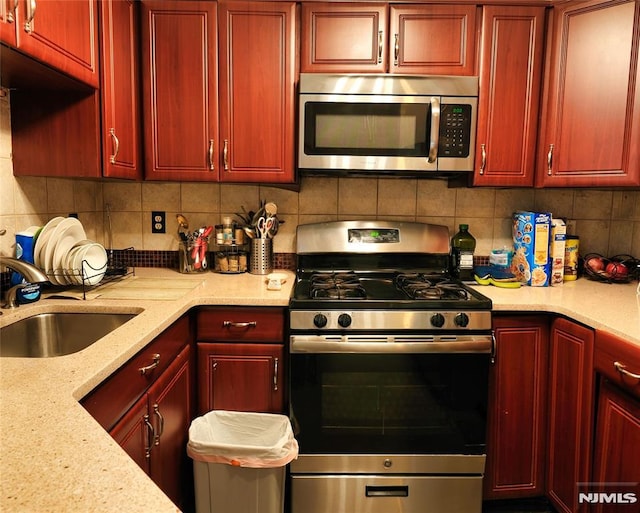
54,457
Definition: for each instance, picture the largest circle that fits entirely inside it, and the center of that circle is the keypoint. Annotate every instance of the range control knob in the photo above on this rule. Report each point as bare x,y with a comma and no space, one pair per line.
462,320
344,320
320,320
437,320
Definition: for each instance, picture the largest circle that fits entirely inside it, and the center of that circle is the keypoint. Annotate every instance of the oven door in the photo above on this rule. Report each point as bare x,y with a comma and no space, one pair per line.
382,396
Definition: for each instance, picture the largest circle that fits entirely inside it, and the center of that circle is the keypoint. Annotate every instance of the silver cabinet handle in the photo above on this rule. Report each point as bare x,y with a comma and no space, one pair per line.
622,369
275,374
11,13
396,49
435,129
156,412
116,145
147,450
550,159
211,162
483,164
225,154
380,42
31,12
148,368
231,324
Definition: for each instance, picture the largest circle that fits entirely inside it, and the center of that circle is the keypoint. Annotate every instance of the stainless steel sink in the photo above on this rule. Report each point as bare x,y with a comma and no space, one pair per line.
57,334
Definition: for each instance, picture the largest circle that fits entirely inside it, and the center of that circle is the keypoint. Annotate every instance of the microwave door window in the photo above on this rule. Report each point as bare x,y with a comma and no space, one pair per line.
367,129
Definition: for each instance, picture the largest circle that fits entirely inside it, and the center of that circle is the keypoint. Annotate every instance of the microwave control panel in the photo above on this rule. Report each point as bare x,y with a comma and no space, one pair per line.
455,130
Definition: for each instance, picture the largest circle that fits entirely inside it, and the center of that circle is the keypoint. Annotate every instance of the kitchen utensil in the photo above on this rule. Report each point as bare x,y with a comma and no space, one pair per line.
264,226
271,209
183,226
249,232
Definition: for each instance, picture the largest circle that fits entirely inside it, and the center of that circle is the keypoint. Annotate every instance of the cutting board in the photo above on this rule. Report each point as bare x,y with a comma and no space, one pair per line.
148,288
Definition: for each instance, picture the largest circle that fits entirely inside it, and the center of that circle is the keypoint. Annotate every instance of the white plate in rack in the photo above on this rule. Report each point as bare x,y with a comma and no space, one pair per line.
52,268
67,239
42,241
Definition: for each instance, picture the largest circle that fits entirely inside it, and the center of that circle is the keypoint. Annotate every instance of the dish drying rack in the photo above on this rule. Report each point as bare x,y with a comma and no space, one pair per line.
119,265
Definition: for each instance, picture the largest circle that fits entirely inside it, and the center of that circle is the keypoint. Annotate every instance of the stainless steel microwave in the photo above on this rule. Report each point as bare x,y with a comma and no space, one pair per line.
397,124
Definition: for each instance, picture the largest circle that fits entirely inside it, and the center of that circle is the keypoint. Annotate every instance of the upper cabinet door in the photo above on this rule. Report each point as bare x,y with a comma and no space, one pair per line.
592,114
120,89
432,39
8,15
179,75
344,38
511,57
257,91
62,34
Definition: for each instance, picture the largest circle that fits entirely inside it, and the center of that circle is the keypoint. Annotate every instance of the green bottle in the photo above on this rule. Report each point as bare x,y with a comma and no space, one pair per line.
463,244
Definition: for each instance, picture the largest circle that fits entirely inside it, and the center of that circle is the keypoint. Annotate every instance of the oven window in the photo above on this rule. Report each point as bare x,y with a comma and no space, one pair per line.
364,129
403,404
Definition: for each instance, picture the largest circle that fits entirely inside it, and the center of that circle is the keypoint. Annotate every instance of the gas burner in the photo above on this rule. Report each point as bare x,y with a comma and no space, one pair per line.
340,285
426,286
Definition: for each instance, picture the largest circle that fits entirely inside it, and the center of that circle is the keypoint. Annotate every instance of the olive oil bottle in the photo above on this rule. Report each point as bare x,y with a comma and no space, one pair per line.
463,244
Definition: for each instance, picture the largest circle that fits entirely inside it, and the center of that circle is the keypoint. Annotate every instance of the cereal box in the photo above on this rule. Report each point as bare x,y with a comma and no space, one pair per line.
558,240
531,262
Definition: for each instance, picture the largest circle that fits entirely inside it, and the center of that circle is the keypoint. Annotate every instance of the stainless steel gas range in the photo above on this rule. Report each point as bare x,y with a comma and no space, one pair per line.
389,362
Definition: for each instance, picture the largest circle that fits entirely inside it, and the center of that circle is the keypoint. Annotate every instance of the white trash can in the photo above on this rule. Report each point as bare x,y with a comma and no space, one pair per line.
239,461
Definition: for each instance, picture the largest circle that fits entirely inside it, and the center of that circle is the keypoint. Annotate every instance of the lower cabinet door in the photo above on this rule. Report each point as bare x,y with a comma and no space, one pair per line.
134,433
518,406
240,377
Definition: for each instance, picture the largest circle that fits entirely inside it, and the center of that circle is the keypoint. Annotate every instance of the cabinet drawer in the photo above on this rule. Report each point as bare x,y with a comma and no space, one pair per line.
261,324
121,390
618,360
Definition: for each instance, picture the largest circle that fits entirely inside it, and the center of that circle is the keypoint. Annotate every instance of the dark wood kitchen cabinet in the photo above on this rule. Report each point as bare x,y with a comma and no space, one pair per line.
258,73
571,399
120,88
518,408
511,57
179,83
617,446
344,38
240,359
155,431
382,37
58,33
591,114
147,406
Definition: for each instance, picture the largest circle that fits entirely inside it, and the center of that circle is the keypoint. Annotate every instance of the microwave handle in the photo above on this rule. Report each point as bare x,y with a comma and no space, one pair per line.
435,129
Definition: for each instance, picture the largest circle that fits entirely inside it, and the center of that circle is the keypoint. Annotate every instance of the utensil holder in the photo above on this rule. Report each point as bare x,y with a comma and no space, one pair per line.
193,257
261,259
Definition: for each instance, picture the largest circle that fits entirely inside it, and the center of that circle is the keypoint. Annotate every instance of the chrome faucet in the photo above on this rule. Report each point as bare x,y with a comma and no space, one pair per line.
30,272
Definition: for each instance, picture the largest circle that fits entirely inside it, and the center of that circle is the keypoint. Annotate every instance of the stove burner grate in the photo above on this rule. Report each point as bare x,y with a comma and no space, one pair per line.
425,286
339,285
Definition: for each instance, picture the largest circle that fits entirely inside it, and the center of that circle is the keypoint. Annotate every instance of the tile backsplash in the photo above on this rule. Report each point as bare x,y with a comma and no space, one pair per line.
608,222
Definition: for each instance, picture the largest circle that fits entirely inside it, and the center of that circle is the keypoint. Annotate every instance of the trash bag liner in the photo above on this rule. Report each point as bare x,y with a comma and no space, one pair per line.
253,440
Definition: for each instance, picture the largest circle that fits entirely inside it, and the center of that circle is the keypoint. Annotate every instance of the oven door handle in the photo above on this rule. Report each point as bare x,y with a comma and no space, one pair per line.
391,344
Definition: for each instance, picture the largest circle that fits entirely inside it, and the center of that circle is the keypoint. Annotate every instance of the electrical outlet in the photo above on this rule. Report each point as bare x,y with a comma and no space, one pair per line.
158,222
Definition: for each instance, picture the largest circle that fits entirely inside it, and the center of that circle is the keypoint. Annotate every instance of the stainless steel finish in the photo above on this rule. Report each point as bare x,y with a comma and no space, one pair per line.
380,45
211,160
333,237
399,343
621,368
31,12
151,366
550,159
385,494
379,85
484,158
116,146
435,134
30,273
57,334
225,154
389,320
388,464
386,88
